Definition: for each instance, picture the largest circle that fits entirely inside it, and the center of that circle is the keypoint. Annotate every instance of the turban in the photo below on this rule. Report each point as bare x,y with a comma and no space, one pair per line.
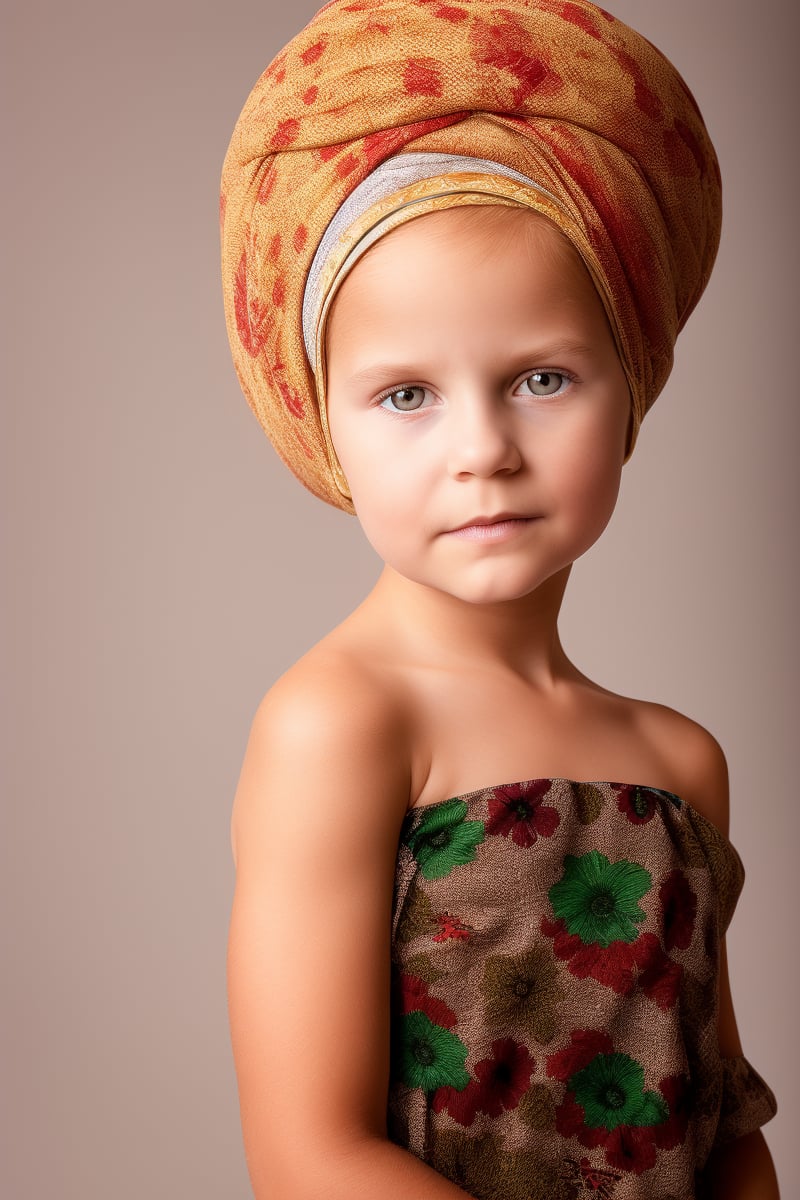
381,110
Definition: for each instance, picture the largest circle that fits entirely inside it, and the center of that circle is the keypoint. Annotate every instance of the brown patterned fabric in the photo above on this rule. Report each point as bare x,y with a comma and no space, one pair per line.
747,1101
555,951
563,93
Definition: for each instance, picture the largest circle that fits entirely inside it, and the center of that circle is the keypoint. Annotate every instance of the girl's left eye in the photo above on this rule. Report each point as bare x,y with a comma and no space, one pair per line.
407,399
546,383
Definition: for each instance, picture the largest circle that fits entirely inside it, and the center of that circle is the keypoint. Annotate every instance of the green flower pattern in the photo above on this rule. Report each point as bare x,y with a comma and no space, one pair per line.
429,1055
445,839
600,1111
610,1090
597,899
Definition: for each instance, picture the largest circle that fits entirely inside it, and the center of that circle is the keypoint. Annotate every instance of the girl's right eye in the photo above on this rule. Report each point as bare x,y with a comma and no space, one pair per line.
407,399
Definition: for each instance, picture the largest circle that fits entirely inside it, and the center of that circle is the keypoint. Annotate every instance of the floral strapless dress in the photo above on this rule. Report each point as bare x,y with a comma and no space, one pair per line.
555,955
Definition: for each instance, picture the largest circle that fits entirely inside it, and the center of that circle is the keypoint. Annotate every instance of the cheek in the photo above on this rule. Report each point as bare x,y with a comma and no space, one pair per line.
387,478
384,500
387,527
591,471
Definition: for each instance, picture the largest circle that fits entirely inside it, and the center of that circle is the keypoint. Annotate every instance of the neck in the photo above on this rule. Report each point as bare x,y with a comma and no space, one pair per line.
516,635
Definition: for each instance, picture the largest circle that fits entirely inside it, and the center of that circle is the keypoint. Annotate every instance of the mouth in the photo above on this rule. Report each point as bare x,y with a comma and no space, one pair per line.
493,528
492,520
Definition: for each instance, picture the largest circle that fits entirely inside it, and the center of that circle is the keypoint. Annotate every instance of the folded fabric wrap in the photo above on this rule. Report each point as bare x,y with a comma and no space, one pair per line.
381,110
748,1102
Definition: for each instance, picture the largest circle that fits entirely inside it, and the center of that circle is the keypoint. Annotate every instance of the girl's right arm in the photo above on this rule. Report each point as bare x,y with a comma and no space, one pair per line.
322,792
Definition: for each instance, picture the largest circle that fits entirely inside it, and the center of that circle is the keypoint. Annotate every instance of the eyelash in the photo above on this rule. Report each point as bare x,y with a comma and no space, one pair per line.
565,375
404,387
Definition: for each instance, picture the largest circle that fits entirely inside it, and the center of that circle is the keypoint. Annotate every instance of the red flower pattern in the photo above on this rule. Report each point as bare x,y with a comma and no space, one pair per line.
499,1084
504,1077
622,966
637,803
630,1148
584,1045
677,1092
517,811
451,927
415,997
679,910
462,1106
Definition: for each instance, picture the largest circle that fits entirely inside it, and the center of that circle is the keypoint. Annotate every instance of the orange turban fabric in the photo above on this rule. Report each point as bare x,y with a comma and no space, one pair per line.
584,119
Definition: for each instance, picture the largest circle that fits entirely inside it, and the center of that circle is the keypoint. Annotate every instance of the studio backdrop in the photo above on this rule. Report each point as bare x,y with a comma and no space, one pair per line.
162,568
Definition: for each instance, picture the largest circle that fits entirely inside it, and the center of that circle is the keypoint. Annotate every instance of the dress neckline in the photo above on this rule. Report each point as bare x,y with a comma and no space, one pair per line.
477,793
604,783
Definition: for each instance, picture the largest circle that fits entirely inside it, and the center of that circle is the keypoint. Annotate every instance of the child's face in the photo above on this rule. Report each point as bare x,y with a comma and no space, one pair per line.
473,375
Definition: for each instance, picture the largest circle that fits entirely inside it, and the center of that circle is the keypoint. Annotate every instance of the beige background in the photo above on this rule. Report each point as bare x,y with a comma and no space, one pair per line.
163,568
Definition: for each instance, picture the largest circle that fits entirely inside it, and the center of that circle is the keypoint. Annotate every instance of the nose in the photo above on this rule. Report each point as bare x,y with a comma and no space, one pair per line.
481,439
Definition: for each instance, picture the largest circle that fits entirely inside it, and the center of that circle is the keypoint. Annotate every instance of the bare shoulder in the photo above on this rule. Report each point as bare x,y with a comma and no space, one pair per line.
328,731
316,817
693,757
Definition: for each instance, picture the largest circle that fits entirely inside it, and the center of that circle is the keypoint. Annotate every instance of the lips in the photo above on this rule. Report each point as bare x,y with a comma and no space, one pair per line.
493,520
493,530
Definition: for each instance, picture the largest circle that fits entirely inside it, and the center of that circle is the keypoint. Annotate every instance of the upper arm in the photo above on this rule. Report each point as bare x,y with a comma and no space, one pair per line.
710,795
316,817
703,770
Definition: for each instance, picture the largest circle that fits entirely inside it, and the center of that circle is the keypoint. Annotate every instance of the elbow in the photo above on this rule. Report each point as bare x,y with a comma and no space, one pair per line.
314,1167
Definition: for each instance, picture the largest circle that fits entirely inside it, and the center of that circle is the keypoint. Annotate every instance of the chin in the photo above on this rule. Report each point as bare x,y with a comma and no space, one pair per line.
500,588
494,595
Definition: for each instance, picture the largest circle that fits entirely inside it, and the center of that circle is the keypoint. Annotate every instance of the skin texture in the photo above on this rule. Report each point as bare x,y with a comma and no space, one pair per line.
450,676
473,432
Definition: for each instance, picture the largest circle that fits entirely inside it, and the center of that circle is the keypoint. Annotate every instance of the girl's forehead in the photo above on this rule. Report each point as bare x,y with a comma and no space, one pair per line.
488,225
435,288
461,239
457,245
454,249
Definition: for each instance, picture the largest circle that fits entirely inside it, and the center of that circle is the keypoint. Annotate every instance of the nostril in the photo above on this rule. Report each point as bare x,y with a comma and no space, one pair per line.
484,455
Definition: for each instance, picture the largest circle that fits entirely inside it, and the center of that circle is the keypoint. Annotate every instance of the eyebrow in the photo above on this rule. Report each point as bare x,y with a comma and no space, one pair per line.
540,356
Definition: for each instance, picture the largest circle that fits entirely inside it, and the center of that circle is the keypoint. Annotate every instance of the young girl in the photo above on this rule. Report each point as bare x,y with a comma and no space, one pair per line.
477,942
